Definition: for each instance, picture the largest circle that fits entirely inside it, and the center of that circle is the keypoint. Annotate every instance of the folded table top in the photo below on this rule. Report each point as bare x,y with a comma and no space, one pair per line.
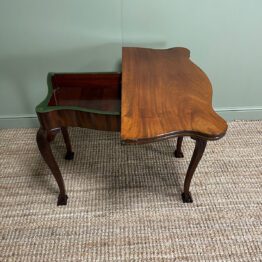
164,95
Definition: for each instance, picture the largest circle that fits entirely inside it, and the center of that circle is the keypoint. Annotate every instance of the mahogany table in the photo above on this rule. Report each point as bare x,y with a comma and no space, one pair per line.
160,94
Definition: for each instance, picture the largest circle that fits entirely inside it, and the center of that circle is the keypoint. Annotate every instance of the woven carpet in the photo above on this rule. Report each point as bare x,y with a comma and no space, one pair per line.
124,201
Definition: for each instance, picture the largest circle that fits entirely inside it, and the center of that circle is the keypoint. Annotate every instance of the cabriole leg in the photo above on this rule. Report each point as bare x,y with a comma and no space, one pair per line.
178,152
46,152
197,155
69,153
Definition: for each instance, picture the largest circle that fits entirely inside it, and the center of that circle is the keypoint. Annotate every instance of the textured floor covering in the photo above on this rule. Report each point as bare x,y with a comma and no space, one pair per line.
124,201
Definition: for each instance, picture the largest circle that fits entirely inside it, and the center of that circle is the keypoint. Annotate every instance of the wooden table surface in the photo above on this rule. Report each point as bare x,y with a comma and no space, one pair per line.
163,95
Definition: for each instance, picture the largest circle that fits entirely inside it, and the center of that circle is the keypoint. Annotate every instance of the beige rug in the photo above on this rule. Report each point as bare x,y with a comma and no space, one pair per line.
124,201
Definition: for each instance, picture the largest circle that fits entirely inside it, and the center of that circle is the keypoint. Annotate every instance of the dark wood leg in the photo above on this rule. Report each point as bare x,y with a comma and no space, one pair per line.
178,152
197,155
46,152
69,153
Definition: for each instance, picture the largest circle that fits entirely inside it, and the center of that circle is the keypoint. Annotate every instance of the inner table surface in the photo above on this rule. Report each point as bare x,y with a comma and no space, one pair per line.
164,94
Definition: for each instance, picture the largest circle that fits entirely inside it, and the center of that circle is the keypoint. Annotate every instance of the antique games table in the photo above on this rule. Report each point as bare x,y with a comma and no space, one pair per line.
160,94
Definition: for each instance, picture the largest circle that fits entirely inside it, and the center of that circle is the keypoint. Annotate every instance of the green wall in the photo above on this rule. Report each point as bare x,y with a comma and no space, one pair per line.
37,37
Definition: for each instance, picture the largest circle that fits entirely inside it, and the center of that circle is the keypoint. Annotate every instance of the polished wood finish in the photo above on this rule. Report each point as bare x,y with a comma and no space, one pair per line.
163,95
99,93
197,155
74,118
46,152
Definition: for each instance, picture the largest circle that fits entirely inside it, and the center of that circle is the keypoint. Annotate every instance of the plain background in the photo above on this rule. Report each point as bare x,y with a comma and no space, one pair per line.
37,37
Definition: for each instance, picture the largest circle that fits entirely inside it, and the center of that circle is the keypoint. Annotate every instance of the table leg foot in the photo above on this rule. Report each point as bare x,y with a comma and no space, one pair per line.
178,152
187,198
69,155
62,200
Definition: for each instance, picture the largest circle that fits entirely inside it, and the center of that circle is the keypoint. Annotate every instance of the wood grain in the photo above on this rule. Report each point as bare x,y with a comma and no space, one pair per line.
163,95
99,92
